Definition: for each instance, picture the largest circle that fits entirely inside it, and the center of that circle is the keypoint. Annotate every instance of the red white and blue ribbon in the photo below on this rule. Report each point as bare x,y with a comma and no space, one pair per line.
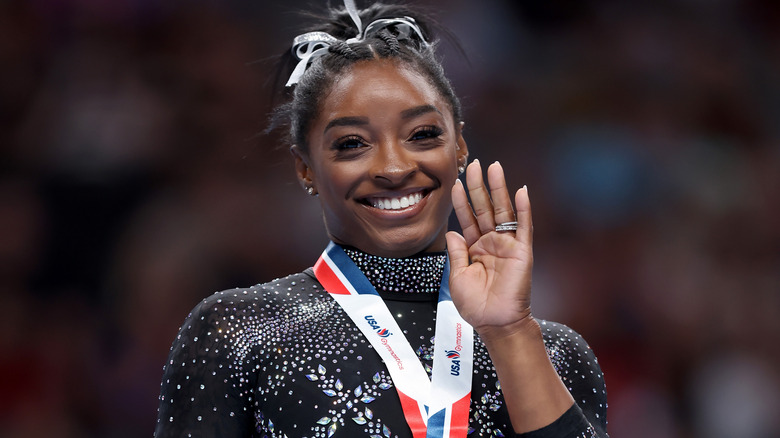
436,407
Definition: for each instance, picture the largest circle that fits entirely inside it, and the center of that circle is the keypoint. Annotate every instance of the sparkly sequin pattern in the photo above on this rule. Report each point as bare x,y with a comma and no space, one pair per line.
283,360
420,274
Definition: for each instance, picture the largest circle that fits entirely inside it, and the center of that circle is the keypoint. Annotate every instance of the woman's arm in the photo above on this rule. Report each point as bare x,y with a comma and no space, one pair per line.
534,394
490,281
579,371
204,390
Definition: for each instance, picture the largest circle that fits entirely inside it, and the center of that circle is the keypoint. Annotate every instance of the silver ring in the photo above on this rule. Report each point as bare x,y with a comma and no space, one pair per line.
506,226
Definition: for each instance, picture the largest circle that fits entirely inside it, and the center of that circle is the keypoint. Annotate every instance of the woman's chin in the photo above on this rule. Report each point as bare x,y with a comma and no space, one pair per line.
401,244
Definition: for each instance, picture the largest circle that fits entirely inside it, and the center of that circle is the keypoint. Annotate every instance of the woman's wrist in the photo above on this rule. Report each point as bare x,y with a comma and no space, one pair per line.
523,330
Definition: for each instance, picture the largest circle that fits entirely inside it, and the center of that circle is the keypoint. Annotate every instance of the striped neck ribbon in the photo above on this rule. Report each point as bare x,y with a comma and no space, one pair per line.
434,408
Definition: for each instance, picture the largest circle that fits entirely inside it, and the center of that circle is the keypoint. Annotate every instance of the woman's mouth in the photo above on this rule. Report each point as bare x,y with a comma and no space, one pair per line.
397,202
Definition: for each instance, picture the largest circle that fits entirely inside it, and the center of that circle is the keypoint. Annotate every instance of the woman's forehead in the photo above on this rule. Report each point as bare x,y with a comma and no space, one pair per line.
370,83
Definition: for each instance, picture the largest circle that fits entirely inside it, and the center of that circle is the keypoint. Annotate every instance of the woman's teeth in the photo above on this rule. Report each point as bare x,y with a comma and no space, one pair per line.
397,203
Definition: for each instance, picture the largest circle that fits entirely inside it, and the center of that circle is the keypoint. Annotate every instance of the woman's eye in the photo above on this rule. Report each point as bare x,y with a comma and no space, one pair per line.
427,132
349,143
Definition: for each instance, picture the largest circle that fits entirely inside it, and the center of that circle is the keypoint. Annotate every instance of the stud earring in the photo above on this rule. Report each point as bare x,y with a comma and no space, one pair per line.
461,169
310,191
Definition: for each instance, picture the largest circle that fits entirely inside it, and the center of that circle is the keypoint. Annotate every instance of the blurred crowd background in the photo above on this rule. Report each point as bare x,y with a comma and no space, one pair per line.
135,180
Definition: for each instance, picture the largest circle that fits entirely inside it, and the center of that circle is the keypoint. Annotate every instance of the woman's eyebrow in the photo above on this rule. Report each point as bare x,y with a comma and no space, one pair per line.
362,121
346,121
418,111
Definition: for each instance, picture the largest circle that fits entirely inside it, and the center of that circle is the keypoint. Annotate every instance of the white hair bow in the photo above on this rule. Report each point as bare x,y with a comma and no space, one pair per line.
312,45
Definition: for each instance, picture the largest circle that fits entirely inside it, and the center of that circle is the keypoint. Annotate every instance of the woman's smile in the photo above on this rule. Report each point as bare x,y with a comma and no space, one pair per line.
395,203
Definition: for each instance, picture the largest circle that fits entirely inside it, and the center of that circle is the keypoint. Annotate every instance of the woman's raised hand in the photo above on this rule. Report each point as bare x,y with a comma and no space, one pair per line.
490,271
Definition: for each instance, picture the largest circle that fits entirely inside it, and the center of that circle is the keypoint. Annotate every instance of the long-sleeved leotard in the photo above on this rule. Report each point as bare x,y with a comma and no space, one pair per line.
283,359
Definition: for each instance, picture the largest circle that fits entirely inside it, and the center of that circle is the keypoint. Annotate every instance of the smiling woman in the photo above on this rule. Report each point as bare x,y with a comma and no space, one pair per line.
347,348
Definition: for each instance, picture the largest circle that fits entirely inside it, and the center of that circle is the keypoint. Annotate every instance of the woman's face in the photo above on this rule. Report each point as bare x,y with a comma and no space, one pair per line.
383,155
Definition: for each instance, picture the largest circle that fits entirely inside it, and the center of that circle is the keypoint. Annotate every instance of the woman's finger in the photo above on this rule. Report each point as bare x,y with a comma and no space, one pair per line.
502,204
468,223
458,252
480,198
525,225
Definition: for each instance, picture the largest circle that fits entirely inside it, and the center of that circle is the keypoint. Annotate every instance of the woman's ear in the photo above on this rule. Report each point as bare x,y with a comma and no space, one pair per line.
303,170
462,149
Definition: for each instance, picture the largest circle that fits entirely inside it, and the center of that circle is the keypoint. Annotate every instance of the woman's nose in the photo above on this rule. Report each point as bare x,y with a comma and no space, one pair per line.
393,164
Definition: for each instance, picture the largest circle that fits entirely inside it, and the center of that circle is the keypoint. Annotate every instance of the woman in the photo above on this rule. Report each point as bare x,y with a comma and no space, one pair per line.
347,348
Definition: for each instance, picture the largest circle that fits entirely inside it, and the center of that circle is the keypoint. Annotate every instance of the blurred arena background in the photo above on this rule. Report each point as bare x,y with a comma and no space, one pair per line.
133,183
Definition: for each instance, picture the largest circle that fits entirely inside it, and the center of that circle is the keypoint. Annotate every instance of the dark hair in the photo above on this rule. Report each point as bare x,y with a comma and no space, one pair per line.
305,97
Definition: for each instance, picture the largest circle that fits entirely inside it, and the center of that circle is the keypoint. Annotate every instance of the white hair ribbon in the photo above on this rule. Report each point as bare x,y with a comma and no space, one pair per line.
306,47
353,12
312,45
404,26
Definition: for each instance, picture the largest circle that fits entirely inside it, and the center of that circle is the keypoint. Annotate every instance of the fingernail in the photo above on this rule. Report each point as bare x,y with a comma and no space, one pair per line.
476,160
457,181
525,187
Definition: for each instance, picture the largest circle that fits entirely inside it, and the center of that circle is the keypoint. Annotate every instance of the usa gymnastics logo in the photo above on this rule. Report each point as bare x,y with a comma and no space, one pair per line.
454,355
381,331
454,358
